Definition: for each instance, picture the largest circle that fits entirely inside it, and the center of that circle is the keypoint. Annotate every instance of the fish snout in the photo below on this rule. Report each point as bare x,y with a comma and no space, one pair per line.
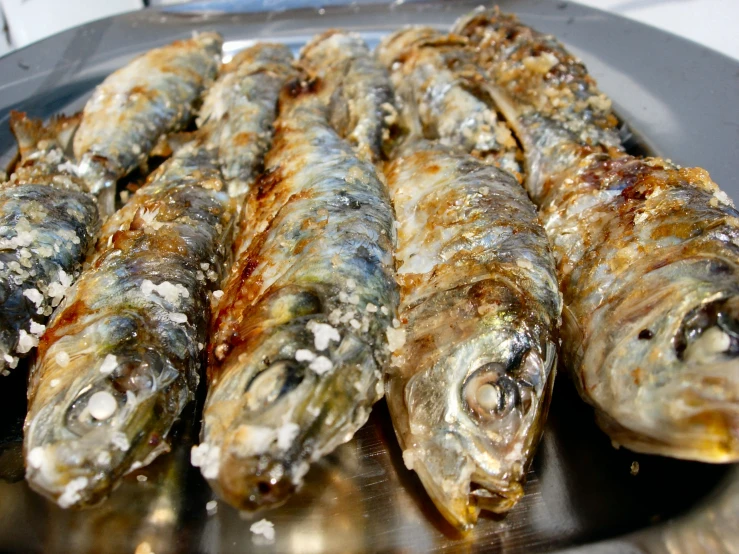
254,484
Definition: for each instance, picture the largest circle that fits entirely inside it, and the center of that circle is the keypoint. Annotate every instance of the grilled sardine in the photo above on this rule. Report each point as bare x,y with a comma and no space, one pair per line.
438,76
241,106
48,222
126,115
299,338
120,357
647,254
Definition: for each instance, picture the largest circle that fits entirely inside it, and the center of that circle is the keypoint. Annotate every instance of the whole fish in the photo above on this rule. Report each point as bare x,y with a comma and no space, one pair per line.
361,98
474,358
647,254
299,337
438,74
48,222
133,107
241,106
133,329
120,357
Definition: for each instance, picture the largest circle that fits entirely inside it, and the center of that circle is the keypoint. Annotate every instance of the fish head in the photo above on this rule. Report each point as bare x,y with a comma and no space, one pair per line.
297,389
100,412
673,369
475,418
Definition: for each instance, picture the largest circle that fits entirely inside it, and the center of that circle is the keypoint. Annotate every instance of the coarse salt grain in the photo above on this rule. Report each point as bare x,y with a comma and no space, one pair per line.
323,334
304,355
395,339
37,328
211,507
34,296
71,493
54,383
36,457
265,528
26,342
207,458
217,293
177,317
120,441
321,365
109,364
286,434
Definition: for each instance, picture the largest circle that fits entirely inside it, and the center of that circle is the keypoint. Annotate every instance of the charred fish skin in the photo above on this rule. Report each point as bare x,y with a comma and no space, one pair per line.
546,94
299,337
438,75
120,357
48,223
240,107
362,107
646,253
471,377
152,95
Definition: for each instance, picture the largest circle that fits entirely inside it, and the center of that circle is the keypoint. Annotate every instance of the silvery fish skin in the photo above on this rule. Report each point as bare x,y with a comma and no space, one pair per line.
438,74
121,355
647,255
48,222
361,99
474,364
128,112
240,107
299,338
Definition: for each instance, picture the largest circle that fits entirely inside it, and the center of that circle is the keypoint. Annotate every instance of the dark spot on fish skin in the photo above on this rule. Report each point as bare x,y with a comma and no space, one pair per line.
645,334
267,182
562,6
23,66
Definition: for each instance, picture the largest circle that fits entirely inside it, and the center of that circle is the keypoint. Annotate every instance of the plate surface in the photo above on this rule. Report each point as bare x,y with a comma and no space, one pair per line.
680,100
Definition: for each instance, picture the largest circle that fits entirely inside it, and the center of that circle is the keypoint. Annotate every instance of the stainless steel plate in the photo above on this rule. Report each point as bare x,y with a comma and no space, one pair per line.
678,97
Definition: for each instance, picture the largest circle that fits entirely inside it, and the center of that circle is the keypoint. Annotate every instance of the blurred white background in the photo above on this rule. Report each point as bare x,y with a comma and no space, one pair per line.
710,22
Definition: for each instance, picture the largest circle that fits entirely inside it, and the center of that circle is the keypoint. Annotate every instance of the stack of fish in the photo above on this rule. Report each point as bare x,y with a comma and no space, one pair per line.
350,225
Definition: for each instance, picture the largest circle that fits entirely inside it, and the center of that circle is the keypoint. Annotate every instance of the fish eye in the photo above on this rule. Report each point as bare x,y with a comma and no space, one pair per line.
269,385
139,371
489,392
94,407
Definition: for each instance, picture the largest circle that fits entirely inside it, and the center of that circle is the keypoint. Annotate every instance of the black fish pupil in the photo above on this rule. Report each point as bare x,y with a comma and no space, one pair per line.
645,334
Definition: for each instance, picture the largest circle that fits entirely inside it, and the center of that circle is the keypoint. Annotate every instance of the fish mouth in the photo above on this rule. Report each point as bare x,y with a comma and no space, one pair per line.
255,484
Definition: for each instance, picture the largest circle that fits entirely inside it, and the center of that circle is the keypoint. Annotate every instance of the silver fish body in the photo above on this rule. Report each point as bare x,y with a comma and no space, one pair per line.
471,377
48,223
437,76
120,357
240,107
360,94
299,338
647,255
152,95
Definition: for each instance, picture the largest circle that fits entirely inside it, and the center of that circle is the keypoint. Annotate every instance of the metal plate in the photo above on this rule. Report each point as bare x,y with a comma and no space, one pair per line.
680,99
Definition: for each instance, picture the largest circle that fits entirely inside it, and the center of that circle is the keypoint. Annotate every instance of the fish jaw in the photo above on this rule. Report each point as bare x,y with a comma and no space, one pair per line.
468,456
267,421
